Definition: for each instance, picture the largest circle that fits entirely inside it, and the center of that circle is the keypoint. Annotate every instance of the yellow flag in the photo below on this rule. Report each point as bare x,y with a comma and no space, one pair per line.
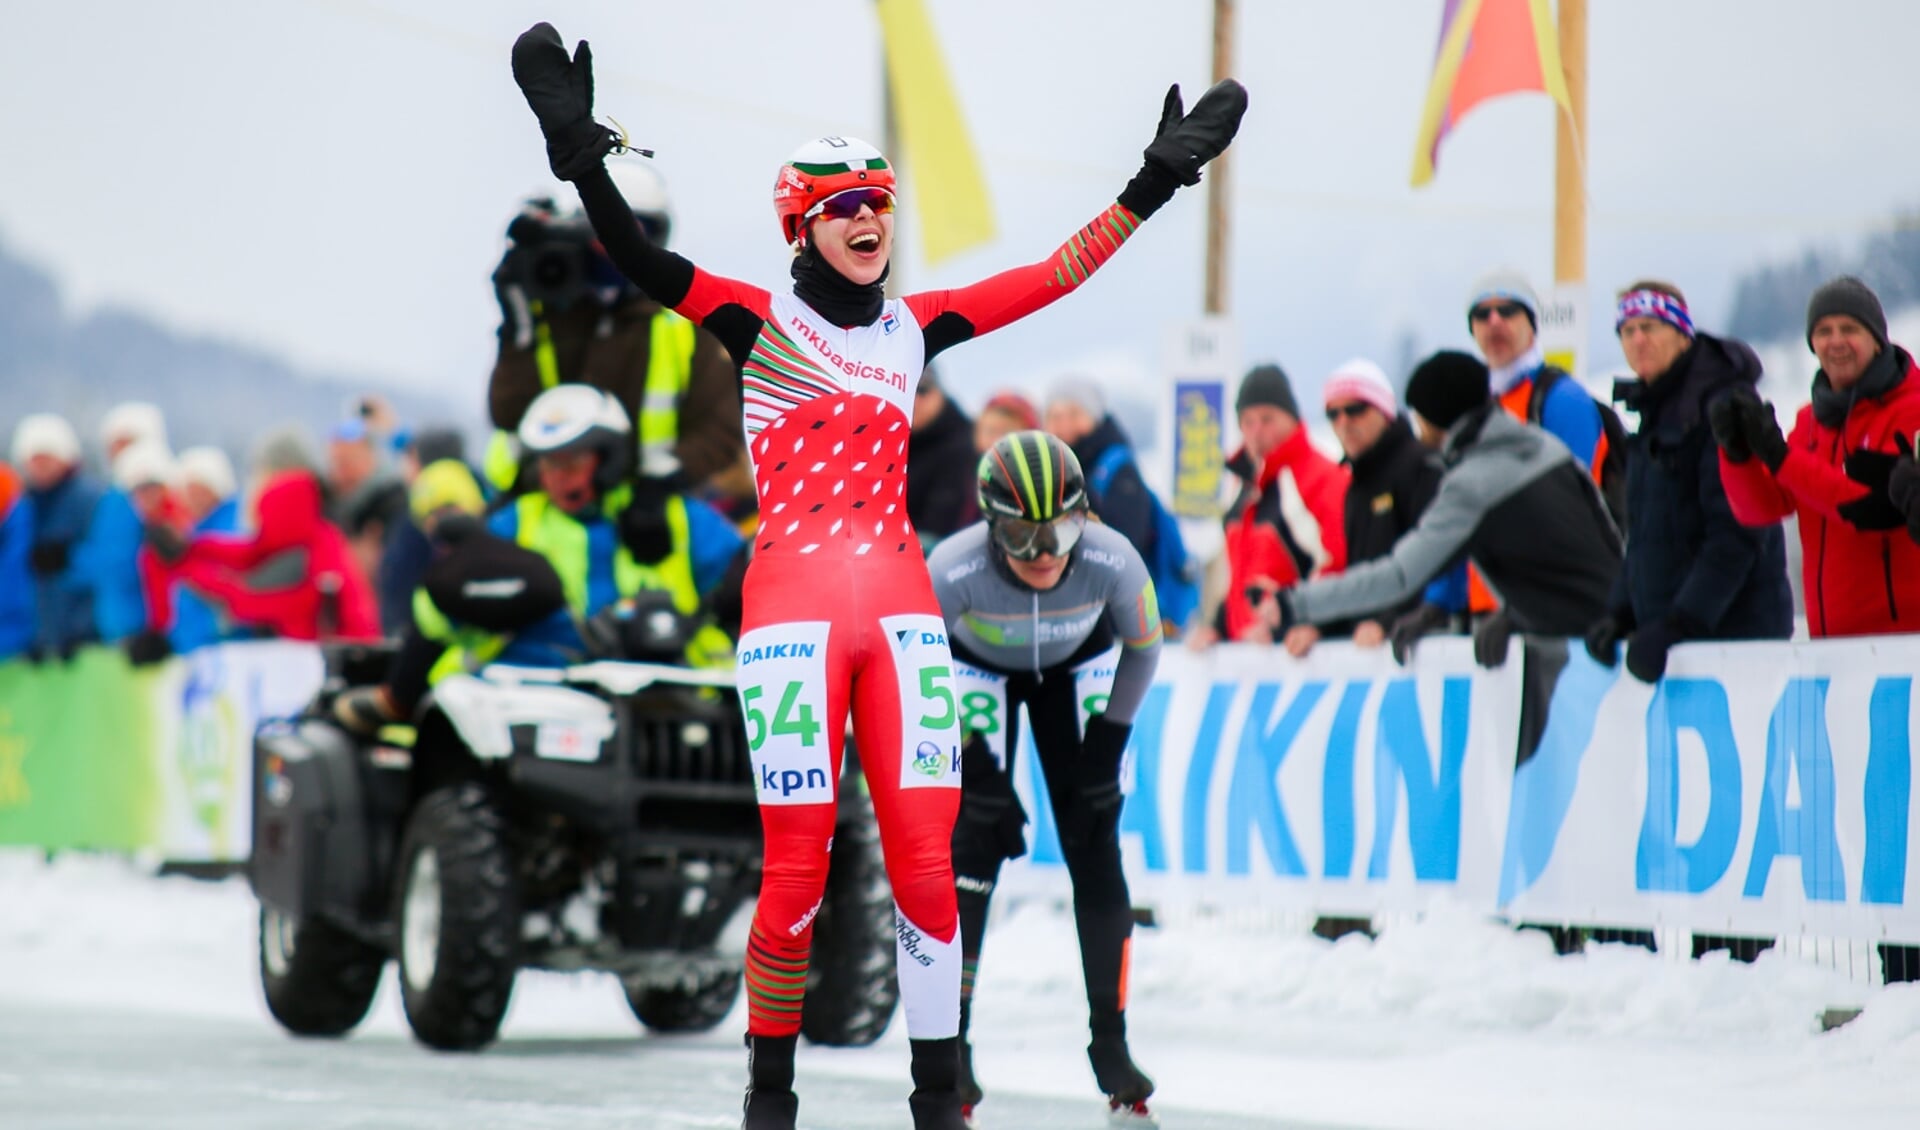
951,208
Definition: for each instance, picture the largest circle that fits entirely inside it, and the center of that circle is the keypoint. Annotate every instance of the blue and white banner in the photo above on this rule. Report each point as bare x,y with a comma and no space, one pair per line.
1761,788
1339,783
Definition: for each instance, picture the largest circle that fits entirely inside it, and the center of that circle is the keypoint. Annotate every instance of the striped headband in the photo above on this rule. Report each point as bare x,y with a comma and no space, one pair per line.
1653,304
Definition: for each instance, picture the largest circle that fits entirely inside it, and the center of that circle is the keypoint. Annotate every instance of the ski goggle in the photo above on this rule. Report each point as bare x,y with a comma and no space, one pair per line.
1023,540
846,204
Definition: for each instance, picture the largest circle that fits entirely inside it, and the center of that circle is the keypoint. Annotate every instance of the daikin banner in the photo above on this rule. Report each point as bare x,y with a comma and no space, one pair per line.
1761,788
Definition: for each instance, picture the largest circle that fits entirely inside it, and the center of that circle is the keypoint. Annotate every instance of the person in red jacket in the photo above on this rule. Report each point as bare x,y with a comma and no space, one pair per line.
1289,522
294,576
1861,572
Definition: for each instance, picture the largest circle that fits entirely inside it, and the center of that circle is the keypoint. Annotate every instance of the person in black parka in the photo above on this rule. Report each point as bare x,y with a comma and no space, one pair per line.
1692,571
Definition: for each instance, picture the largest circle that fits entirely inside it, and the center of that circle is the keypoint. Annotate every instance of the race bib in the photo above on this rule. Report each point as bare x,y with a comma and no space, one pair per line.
783,697
1092,685
983,708
929,713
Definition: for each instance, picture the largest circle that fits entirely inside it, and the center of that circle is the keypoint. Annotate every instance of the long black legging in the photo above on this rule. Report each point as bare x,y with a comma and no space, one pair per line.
1102,908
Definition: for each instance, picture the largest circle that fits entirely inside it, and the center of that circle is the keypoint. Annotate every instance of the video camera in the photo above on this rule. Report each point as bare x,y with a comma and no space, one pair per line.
554,259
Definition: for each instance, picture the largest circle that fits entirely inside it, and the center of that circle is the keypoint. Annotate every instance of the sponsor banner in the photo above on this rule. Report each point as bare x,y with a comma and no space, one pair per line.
1762,788
98,754
1340,783
1201,360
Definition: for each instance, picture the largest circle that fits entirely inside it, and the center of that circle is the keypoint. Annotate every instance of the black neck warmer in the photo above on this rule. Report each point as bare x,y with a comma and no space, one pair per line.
1832,406
843,303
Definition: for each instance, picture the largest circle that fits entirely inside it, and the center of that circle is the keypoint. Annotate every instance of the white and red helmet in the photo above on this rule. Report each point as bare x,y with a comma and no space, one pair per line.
820,169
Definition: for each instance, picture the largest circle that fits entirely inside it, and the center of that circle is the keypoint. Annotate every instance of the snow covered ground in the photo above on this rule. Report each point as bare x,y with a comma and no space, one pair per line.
131,1001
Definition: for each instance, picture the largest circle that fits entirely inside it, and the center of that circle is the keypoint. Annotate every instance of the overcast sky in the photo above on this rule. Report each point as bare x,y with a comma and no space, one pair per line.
330,178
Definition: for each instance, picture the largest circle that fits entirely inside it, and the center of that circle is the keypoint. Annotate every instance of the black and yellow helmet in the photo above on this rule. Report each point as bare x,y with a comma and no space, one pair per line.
1033,494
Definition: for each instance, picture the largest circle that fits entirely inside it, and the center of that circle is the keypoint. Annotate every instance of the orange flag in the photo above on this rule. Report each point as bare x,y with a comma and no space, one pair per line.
1487,48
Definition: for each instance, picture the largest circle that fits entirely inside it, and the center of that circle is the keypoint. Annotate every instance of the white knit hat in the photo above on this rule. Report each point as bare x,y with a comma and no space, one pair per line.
1362,380
210,467
43,433
133,421
144,463
1079,391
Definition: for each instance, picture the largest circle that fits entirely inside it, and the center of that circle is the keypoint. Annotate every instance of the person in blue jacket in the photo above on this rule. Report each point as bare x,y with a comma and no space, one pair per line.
16,574
64,499
210,494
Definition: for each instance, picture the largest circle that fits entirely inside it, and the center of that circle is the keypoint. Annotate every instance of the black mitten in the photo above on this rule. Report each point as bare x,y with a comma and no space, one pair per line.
644,529
1491,639
1725,417
147,647
1873,510
560,92
1407,631
1184,142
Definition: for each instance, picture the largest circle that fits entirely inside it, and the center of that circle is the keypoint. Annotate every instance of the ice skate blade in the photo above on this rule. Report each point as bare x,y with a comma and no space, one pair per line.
1130,1116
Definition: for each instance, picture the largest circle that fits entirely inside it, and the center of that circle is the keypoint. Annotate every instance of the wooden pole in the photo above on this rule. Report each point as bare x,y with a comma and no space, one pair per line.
1570,151
890,148
1218,220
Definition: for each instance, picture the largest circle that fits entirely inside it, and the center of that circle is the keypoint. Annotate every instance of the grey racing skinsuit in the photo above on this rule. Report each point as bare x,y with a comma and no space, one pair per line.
1079,658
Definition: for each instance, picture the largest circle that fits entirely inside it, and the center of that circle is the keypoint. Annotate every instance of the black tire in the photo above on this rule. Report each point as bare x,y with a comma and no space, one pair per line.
319,979
457,913
852,983
683,1009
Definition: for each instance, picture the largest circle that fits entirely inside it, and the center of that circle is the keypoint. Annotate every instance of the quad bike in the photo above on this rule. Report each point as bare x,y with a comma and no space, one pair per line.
600,816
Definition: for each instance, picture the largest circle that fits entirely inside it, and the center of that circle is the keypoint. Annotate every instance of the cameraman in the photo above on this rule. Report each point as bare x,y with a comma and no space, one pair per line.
569,317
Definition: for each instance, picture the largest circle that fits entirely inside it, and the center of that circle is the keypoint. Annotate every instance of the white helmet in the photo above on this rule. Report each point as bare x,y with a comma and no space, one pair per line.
576,417
142,463
210,467
645,192
44,433
133,422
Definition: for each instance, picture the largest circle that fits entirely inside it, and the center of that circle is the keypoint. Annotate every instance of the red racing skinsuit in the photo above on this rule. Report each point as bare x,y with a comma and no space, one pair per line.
840,616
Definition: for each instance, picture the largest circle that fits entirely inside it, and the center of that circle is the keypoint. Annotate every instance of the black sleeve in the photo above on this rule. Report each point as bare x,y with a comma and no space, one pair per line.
665,277
946,330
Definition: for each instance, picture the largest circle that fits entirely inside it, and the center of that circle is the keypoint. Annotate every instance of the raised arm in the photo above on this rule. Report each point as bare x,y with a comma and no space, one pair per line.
1183,143
560,92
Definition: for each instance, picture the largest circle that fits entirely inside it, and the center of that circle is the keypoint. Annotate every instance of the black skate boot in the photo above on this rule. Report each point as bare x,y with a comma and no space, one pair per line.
936,1096
1124,1084
970,1092
771,1103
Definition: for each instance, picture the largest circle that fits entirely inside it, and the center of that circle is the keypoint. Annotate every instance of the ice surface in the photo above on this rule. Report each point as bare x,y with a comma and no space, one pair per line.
131,1001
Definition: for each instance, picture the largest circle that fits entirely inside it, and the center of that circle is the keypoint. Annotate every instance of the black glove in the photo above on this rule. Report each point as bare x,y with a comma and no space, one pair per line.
560,92
987,800
1725,417
48,557
1094,816
1647,650
1410,627
1183,142
147,647
1903,486
1491,637
644,529
1763,434
1874,510
1603,639
167,543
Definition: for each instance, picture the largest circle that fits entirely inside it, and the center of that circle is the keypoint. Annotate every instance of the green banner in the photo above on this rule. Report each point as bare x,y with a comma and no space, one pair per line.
97,754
